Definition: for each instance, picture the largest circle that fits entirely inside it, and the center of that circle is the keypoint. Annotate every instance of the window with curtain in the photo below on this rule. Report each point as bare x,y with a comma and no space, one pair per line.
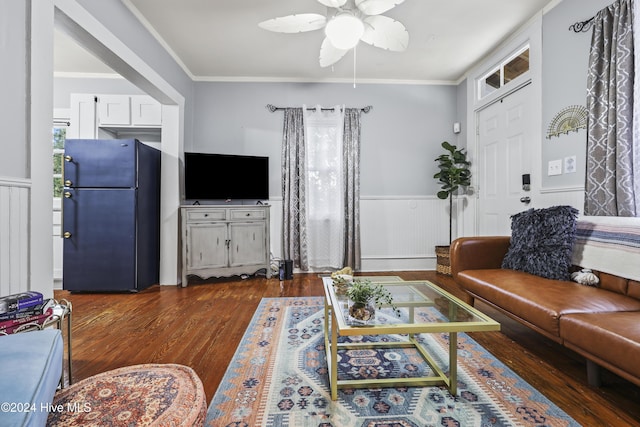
321,187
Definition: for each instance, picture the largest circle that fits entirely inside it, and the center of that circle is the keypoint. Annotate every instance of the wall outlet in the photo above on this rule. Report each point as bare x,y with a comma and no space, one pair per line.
570,164
555,167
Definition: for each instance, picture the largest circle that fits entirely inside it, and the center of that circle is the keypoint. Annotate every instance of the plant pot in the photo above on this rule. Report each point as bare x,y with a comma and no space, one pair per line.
362,312
443,261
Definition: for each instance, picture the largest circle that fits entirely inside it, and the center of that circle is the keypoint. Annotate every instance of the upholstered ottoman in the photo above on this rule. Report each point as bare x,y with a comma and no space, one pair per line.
140,395
30,370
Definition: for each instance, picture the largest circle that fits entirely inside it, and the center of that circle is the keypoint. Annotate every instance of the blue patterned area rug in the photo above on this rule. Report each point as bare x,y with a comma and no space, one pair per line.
278,377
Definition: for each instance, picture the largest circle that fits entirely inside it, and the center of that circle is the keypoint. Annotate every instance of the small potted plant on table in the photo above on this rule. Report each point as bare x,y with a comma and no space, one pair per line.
364,296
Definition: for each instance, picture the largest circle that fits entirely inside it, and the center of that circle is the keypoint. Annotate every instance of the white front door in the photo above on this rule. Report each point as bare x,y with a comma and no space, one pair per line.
504,155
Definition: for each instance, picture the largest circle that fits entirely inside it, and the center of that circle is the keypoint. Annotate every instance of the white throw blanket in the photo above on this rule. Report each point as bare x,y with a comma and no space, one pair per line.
608,244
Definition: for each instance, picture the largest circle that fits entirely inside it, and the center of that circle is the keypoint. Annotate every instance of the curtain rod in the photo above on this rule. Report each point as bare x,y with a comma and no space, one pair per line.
273,108
582,26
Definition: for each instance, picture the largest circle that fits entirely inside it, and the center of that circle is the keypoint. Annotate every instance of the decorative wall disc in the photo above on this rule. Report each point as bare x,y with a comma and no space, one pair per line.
569,119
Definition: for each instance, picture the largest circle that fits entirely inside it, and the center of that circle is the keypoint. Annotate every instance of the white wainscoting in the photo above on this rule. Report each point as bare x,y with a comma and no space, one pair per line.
572,196
400,233
14,235
397,233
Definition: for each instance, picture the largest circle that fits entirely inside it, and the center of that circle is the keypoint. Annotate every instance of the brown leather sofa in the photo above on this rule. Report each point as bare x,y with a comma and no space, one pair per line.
600,323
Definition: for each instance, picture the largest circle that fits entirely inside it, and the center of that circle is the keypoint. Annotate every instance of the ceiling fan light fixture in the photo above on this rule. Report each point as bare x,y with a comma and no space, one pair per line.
346,23
344,30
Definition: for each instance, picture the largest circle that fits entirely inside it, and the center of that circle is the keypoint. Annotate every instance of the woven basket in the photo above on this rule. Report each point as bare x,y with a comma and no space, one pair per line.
443,262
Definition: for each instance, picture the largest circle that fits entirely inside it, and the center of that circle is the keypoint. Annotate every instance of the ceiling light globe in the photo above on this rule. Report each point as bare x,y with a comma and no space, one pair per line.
344,31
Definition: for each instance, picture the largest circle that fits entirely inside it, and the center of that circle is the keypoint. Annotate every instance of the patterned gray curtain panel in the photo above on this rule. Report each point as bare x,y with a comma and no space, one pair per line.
609,187
293,189
351,159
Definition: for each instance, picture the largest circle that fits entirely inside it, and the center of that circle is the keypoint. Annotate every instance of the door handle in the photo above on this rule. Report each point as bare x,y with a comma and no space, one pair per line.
526,200
67,195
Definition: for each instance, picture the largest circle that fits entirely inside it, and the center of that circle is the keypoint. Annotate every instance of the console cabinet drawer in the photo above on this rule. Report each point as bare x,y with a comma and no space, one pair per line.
206,215
247,214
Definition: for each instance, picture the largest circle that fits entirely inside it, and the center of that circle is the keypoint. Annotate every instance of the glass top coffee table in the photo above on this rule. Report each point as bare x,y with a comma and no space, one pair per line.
424,308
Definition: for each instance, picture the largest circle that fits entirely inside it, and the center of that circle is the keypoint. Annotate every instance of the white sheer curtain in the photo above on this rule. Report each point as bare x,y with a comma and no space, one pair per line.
323,130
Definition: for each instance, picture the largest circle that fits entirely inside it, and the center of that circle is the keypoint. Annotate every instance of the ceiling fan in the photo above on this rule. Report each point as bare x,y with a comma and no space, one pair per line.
346,23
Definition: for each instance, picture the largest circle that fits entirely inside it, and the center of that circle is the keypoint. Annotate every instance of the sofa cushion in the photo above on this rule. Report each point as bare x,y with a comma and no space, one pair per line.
29,374
540,302
542,241
611,337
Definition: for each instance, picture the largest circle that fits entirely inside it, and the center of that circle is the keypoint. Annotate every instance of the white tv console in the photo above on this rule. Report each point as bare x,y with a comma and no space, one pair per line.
222,241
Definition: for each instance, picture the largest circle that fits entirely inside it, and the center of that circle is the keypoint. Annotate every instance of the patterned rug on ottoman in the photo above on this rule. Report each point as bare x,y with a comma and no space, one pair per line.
139,395
278,377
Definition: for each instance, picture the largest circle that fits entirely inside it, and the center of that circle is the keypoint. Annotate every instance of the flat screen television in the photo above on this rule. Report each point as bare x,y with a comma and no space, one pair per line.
225,177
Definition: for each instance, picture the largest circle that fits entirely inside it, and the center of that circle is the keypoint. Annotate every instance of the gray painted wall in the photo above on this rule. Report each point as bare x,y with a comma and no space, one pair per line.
401,135
461,103
13,87
565,56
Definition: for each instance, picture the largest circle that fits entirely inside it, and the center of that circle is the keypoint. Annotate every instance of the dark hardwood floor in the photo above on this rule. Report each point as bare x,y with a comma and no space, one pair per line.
201,325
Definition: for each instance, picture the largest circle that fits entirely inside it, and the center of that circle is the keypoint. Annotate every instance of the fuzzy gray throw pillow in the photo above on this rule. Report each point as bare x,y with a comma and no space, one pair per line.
542,241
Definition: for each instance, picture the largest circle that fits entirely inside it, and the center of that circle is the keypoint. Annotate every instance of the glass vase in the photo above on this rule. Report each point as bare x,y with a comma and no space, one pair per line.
362,312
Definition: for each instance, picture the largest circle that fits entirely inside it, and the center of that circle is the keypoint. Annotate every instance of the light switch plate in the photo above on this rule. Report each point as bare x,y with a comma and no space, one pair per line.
555,167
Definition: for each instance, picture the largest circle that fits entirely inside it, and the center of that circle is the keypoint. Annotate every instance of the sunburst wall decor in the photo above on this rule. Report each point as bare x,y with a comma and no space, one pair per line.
569,119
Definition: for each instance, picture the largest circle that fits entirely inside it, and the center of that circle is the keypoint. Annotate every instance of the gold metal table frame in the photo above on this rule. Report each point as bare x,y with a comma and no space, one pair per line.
408,296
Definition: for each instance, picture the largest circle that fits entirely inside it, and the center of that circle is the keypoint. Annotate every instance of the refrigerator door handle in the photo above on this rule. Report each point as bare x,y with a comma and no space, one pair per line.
67,158
65,234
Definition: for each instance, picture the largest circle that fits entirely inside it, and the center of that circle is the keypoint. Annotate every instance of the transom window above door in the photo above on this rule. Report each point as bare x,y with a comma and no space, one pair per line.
512,67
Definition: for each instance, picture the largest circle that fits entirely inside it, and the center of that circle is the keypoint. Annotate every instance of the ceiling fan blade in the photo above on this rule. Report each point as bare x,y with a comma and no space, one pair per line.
385,33
333,3
329,54
294,23
376,7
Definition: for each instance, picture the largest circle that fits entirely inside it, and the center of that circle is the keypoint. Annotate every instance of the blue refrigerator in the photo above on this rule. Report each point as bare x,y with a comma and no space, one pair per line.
111,215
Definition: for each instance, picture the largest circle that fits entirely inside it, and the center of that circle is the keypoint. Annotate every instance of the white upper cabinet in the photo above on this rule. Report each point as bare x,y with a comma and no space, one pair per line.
115,116
82,116
125,110
114,110
145,111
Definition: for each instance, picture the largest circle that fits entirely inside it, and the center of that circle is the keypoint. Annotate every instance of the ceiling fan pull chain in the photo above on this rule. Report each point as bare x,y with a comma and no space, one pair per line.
354,67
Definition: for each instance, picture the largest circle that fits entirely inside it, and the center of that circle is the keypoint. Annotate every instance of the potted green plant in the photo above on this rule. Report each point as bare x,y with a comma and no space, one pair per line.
453,175
364,296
